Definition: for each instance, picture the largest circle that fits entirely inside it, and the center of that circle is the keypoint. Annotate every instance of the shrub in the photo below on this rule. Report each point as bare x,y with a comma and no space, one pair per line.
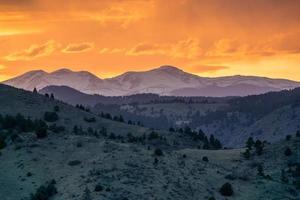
288,137
153,135
250,143
298,134
246,154
258,147
2,143
226,190
45,192
41,132
74,162
112,136
98,188
288,152
50,116
205,158
155,161
79,144
158,152
57,129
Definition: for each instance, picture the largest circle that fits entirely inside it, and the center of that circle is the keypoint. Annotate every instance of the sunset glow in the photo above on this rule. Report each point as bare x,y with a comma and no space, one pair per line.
109,37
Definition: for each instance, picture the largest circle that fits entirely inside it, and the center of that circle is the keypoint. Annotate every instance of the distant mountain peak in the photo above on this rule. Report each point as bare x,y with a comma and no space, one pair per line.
36,72
169,68
62,71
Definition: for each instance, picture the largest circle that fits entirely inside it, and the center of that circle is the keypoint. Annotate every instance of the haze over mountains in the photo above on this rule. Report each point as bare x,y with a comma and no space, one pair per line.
165,80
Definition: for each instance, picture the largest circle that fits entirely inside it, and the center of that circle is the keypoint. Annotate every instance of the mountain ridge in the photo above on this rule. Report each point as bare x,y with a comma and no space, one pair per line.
165,80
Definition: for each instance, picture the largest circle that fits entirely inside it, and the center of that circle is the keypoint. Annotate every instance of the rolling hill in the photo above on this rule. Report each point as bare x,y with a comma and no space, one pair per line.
269,116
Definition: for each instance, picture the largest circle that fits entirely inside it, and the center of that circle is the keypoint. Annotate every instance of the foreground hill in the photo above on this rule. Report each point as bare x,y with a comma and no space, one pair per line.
165,80
101,169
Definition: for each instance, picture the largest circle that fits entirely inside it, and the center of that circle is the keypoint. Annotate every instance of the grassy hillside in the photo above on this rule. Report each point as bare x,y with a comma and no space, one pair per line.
129,171
15,101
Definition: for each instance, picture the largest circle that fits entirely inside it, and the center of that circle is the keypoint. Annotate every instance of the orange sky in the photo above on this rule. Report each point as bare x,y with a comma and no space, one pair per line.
109,37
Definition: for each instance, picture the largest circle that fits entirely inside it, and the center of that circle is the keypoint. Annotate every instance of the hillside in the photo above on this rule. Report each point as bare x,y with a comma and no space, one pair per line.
269,116
164,80
14,101
74,97
110,170
35,106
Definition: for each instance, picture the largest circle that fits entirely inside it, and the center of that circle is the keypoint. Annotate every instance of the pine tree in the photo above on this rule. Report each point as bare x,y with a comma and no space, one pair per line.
34,91
246,154
258,147
250,143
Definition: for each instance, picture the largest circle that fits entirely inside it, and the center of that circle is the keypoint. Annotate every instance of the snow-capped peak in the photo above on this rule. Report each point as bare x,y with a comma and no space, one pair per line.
164,80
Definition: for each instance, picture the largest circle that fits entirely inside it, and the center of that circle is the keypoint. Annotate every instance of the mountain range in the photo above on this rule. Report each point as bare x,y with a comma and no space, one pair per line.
165,80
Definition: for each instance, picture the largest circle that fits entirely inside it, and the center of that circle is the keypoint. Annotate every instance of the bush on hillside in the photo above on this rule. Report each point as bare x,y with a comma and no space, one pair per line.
158,152
247,154
98,188
153,135
56,129
50,116
288,152
45,192
40,129
205,159
226,190
2,143
259,147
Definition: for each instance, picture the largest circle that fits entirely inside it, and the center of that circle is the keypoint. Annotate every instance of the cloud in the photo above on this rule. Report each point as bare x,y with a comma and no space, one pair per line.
34,51
148,49
120,14
188,49
78,47
227,47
